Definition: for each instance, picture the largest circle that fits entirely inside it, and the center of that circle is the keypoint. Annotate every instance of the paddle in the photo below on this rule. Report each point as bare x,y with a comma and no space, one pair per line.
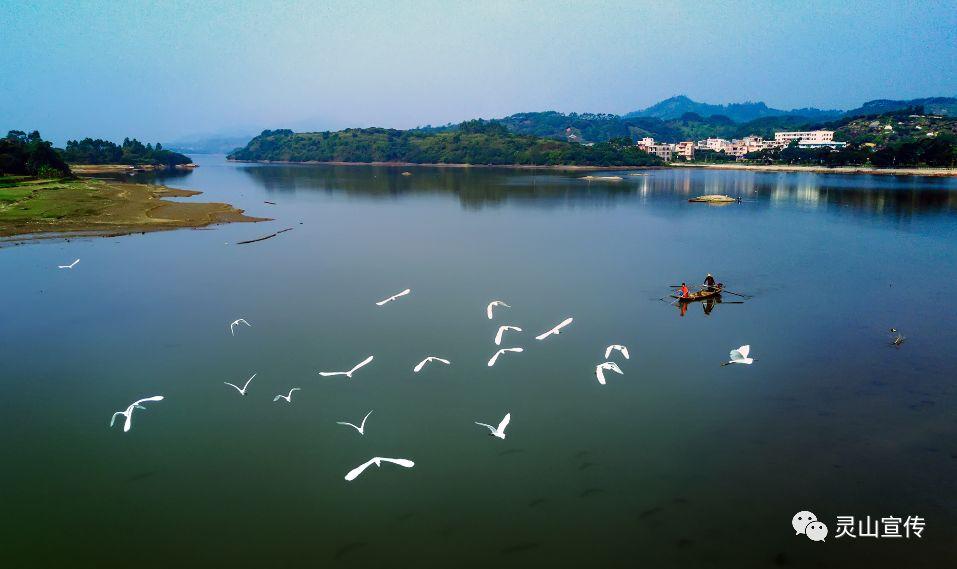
724,290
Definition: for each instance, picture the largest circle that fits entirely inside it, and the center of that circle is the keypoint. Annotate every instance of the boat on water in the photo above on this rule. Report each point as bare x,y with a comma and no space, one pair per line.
700,295
714,198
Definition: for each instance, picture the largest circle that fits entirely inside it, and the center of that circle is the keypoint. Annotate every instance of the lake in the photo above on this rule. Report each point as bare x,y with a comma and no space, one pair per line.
679,462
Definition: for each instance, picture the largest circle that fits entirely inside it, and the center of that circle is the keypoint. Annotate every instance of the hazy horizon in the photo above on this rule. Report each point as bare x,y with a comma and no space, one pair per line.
176,71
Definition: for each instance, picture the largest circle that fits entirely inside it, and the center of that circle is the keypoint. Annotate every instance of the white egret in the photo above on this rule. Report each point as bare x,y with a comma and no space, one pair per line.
129,411
377,460
236,387
288,397
600,370
362,426
393,297
493,304
499,431
740,356
347,373
556,330
491,362
70,266
237,322
501,330
418,367
619,347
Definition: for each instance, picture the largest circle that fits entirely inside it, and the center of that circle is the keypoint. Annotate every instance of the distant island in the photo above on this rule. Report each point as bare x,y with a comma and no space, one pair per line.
476,142
41,196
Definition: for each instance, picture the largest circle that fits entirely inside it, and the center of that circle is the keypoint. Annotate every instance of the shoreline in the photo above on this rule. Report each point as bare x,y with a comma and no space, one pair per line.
857,170
80,169
569,167
39,209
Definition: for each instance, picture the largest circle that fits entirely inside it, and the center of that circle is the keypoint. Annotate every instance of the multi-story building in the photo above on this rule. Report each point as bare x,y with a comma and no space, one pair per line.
685,149
662,150
716,144
785,138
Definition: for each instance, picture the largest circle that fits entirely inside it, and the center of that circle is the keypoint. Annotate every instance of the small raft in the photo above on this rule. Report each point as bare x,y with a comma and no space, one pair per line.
713,198
700,295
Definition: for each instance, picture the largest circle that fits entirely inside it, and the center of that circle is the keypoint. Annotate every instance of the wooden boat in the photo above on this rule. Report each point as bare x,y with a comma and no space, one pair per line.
699,295
713,198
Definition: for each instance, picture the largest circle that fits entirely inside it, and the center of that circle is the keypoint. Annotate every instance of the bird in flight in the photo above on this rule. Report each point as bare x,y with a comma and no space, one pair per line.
236,387
377,460
600,370
499,431
129,411
288,397
619,347
501,330
493,304
237,322
418,367
393,297
70,266
491,362
347,373
740,356
555,330
362,426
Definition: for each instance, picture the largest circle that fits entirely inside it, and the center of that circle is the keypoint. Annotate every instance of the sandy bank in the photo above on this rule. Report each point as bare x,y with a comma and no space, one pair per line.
824,170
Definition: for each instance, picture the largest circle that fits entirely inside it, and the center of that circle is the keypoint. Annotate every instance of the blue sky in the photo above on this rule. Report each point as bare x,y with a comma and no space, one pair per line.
168,70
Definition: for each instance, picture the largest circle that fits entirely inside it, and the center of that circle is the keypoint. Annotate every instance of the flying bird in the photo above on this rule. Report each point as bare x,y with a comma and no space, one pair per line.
619,347
393,297
347,373
501,330
491,362
377,460
236,387
418,367
600,370
740,356
361,428
555,330
499,431
237,322
493,304
70,266
288,397
129,411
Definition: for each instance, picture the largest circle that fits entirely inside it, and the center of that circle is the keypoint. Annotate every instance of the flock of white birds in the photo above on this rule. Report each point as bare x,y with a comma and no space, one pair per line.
737,356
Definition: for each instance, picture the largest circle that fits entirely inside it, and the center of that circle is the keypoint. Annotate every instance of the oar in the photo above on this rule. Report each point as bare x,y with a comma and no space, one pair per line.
724,290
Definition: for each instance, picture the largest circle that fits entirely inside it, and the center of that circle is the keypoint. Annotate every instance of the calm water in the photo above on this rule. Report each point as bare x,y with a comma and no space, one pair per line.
677,463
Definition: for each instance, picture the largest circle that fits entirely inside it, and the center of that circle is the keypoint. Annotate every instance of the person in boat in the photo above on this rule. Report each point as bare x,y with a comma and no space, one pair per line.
709,282
684,291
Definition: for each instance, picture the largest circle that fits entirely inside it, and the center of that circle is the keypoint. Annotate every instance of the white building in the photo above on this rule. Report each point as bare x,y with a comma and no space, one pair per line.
812,136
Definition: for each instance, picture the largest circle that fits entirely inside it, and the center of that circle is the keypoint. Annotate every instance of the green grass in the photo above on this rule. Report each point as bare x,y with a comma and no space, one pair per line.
28,199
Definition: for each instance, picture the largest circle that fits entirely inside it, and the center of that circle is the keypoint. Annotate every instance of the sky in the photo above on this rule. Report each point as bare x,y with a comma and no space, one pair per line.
175,70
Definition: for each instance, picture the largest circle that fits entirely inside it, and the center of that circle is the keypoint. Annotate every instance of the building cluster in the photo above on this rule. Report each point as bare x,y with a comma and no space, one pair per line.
739,147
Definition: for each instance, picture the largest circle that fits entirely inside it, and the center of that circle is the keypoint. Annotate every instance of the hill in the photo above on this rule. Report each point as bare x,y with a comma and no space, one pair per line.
591,127
946,106
675,107
472,142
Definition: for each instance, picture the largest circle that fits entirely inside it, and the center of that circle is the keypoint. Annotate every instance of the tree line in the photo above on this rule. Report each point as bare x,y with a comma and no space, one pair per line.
132,152
471,142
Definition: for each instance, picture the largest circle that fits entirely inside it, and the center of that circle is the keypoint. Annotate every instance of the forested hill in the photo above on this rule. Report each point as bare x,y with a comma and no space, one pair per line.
472,142
592,127
134,152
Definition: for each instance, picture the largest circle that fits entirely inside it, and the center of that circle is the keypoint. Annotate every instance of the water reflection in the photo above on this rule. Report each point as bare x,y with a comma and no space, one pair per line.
477,187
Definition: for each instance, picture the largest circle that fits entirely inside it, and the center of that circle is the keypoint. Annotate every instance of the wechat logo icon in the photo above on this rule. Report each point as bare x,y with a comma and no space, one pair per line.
807,523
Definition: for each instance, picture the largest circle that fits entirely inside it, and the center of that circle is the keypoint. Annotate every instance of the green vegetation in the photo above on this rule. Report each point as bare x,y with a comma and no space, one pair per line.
602,127
133,152
29,155
472,142
906,138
